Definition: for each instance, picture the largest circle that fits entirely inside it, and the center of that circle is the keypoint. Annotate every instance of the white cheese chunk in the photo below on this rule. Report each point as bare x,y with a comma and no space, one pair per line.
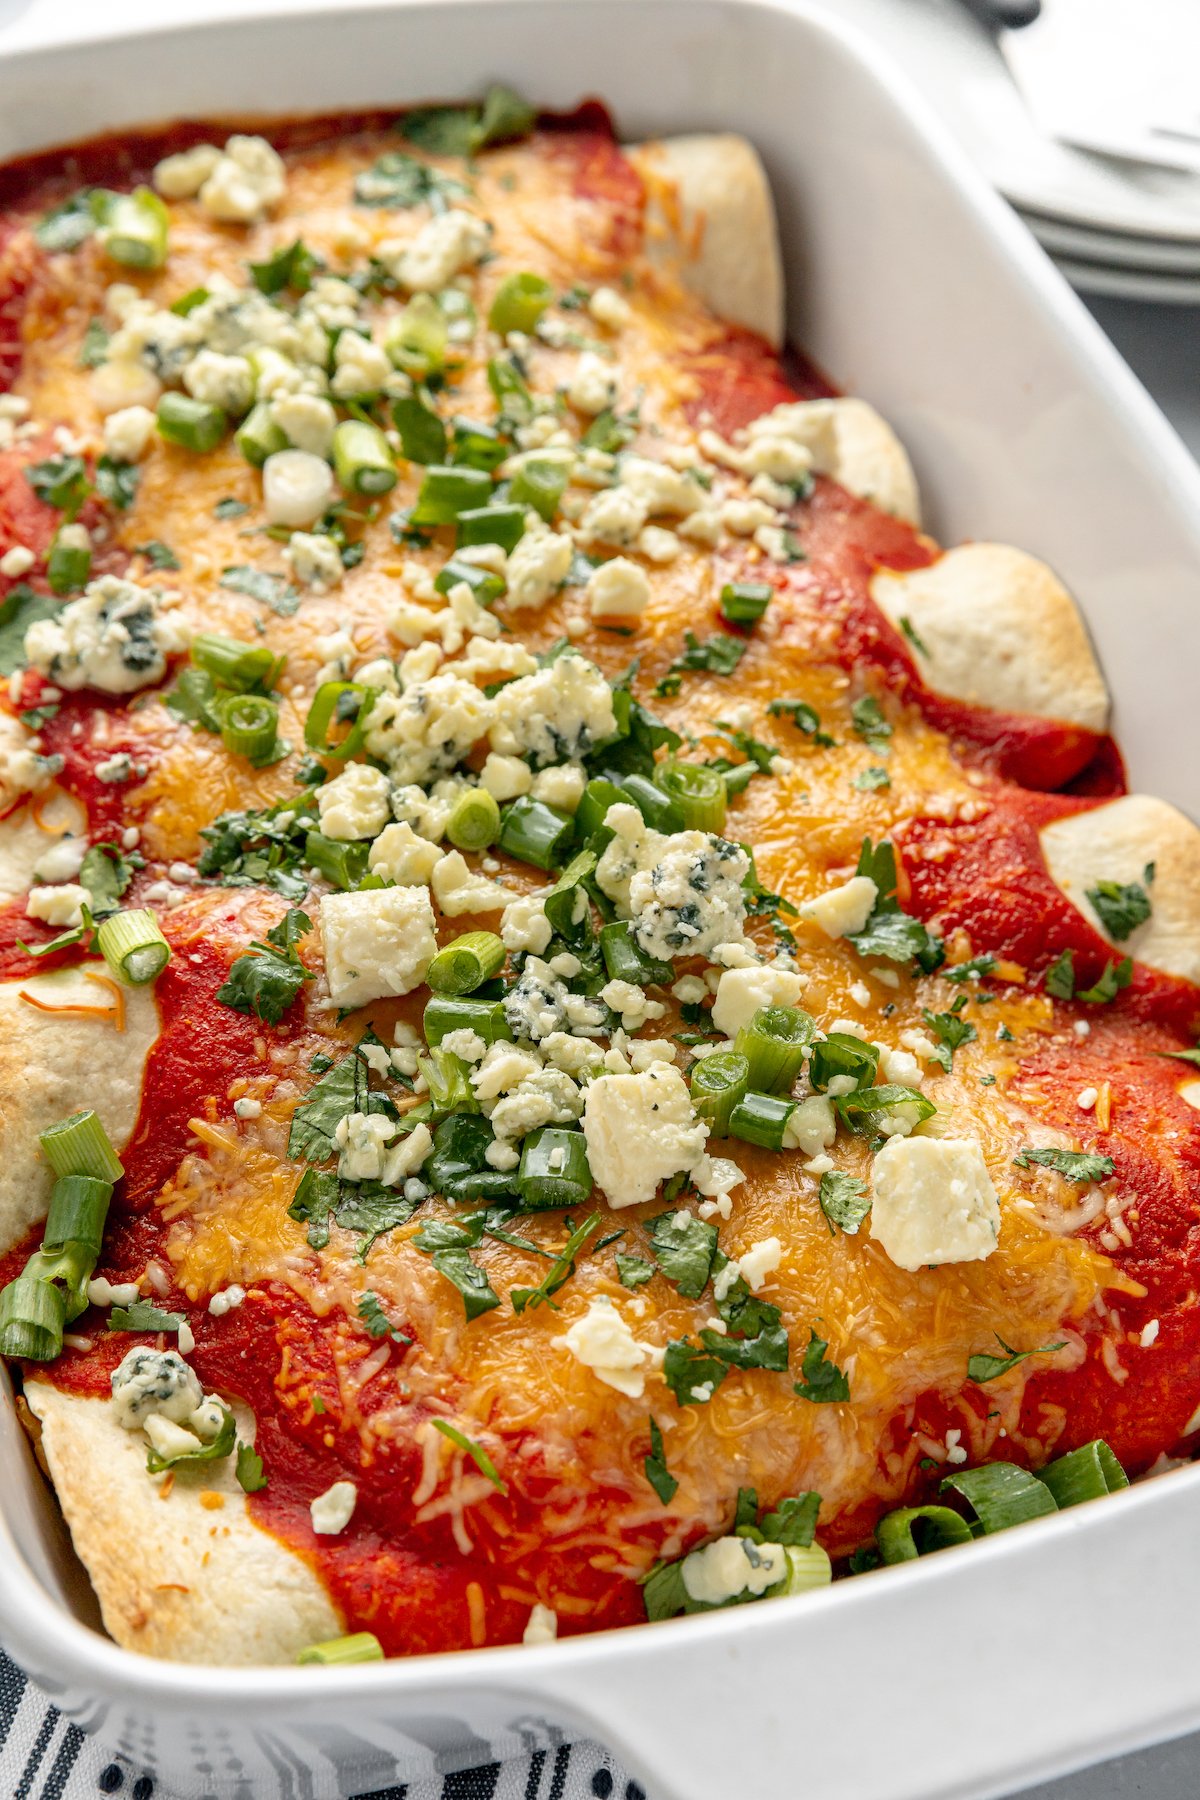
933,1201
537,568
61,905
618,589
116,636
248,179
542,1627
841,911
297,487
128,434
181,177
458,888
355,804
399,854
442,249
732,1566
524,925
377,944
640,1129
603,1341
740,993
153,1381
333,1510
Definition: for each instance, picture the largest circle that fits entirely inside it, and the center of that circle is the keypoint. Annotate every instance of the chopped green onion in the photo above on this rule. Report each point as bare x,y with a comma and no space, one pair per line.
718,1085
69,565
447,491
80,1146
808,1567
448,1079
697,790
258,436
760,1118
534,833
76,1214
359,1647
1084,1474
841,1053
474,820
249,726
745,602
554,1169
362,458
1002,1494
332,701
484,586
860,1111
190,423
503,525
234,664
476,445
417,339
539,482
625,959
341,863
133,946
519,302
913,1531
464,964
134,232
660,811
774,1043
599,794
444,1014
33,1317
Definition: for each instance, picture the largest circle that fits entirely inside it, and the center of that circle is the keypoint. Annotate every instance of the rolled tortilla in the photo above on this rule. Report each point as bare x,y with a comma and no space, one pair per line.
1116,842
51,1064
178,1576
997,628
710,217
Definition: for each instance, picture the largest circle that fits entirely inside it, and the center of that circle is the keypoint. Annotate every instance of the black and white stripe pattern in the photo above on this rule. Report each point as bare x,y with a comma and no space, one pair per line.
45,1757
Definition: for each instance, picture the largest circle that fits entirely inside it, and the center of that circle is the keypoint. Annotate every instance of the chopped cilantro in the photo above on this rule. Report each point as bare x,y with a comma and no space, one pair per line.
719,654
844,1200
249,1470
684,1247
1060,980
655,1465
889,932
464,130
343,1088
869,722
370,1311
274,591
61,482
985,1367
20,608
868,780
106,872
1072,1165
951,1031
560,1271
477,1454
1121,907
823,1381
805,718
267,979
911,633
292,266
229,508
157,554
117,482
143,1315
633,1271
973,969
448,1244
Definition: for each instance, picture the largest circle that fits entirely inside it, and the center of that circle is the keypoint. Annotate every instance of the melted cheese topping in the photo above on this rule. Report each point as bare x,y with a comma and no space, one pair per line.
898,1335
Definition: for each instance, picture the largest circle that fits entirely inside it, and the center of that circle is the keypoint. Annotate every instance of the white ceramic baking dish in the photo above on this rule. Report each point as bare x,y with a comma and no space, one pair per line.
974,1672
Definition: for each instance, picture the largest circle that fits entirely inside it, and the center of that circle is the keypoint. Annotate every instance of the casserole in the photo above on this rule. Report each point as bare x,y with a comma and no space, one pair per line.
929,427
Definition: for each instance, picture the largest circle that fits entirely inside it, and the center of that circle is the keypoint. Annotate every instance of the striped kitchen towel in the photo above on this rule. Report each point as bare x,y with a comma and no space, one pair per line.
44,1757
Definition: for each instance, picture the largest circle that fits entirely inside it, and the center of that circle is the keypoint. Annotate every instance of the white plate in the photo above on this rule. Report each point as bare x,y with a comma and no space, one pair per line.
1129,284
955,62
1115,249
972,1673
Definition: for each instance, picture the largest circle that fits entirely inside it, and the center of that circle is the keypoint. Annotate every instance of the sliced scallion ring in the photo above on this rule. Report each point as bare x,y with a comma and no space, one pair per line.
448,490
913,1531
362,458
234,664
519,302
133,946
80,1145
330,702
699,792
358,1647
535,833
445,1013
718,1085
1002,1494
134,232
474,820
33,1317
1084,1474
554,1169
249,726
745,602
466,963
760,1118
190,423
625,959
774,1043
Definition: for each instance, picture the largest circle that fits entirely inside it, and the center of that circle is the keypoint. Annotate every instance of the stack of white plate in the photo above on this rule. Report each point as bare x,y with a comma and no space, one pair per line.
1113,227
